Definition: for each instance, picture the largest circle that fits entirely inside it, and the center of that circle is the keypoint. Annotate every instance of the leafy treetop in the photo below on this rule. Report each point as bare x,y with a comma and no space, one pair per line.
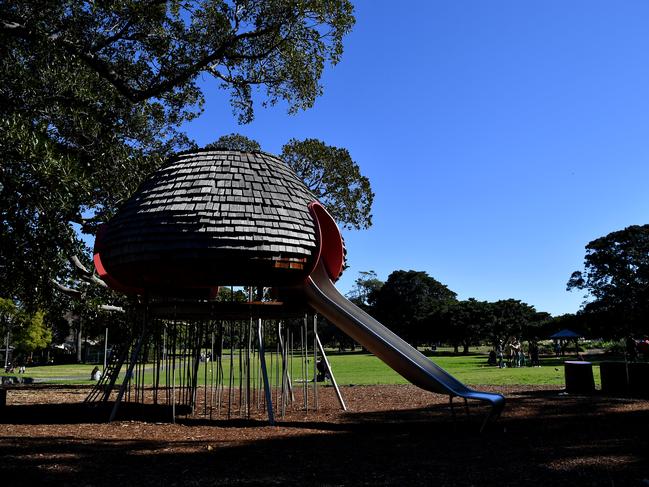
616,276
334,178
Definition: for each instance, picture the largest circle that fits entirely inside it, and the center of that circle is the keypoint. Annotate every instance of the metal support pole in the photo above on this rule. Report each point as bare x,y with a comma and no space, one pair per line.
264,373
7,351
129,371
105,349
79,338
315,362
331,374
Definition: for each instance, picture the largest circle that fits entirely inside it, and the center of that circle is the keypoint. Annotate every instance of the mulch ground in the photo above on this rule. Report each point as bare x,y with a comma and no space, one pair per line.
390,435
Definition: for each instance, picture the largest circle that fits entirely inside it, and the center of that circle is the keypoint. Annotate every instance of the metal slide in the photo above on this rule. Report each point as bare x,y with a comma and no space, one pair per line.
390,348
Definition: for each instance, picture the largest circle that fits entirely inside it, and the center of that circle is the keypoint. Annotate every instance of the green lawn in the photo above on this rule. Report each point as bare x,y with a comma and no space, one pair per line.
355,368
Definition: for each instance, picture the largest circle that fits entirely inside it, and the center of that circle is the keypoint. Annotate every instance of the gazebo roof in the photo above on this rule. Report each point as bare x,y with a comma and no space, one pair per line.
566,334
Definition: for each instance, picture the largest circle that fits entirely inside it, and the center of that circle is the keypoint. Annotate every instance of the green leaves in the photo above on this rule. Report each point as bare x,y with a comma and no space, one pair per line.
334,178
616,275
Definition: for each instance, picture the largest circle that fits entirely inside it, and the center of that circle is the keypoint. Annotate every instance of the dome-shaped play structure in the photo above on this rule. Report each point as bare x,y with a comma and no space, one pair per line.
210,219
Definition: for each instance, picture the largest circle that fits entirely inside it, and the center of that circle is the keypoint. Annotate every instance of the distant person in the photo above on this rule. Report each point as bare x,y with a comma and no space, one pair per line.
534,354
95,374
631,349
557,348
642,346
514,352
21,366
492,360
321,366
500,354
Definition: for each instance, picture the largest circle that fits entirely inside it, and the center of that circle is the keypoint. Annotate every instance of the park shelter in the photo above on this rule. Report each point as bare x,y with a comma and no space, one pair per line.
566,335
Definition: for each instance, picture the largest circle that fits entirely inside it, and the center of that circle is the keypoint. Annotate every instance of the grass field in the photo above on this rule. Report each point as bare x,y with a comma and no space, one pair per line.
350,368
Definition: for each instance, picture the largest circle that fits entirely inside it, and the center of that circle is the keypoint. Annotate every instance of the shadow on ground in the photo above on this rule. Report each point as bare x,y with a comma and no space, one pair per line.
543,439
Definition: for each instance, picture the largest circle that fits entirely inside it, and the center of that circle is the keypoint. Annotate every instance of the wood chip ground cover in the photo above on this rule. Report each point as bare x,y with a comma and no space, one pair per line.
391,435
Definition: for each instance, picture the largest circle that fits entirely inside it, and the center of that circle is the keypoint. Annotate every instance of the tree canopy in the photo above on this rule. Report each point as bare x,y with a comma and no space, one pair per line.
462,322
334,178
93,95
235,142
406,300
616,277
366,288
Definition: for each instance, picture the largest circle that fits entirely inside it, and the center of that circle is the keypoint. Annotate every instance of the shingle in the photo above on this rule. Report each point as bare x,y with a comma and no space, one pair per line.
215,200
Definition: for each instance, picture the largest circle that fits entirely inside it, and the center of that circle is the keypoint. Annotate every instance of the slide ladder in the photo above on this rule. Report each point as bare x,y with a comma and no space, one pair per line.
106,383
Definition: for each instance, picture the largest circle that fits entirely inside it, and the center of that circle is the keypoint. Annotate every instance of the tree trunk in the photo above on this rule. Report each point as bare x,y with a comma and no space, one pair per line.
466,349
456,348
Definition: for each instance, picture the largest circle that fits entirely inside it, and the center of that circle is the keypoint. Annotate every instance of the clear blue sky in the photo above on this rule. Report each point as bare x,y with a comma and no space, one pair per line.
500,137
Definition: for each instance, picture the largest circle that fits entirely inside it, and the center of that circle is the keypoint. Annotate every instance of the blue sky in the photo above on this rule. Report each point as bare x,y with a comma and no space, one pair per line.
500,138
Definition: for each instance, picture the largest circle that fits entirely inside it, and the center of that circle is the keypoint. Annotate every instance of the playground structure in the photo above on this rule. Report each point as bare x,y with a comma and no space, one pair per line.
210,219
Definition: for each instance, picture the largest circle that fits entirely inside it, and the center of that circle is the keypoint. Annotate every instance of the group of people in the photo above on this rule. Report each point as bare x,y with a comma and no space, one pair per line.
512,354
11,368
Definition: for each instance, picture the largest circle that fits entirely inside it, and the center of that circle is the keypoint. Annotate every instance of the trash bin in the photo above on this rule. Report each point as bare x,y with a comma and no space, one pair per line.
614,377
639,379
579,377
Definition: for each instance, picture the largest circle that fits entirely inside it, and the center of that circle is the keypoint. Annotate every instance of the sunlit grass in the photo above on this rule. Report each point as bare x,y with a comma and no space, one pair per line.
349,368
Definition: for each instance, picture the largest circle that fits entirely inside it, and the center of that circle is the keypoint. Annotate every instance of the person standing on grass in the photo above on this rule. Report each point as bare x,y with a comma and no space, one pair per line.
534,353
500,354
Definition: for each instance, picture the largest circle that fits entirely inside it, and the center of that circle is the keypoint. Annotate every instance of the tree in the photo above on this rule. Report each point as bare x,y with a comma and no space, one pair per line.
512,318
463,322
33,335
407,299
616,277
8,318
235,142
366,288
92,95
334,178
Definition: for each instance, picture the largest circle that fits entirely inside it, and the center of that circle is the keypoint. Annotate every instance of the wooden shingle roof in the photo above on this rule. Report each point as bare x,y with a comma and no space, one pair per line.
212,208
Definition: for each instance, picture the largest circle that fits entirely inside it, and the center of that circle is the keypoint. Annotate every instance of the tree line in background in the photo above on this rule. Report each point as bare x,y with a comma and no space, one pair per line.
424,311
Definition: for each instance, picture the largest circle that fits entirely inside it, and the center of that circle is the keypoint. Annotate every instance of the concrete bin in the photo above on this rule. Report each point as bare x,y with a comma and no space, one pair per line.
614,377
579,377
639,379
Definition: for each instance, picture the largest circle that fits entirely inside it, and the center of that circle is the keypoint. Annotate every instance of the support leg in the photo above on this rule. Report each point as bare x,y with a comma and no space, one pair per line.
264,373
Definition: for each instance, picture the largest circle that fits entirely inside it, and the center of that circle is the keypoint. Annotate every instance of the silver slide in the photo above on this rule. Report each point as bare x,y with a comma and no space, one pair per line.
391,349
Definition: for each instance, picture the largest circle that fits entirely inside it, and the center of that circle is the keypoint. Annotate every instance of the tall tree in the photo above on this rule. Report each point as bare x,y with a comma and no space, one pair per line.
365,291
33,335
334,178
511,318
407,299
616,278
92,95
